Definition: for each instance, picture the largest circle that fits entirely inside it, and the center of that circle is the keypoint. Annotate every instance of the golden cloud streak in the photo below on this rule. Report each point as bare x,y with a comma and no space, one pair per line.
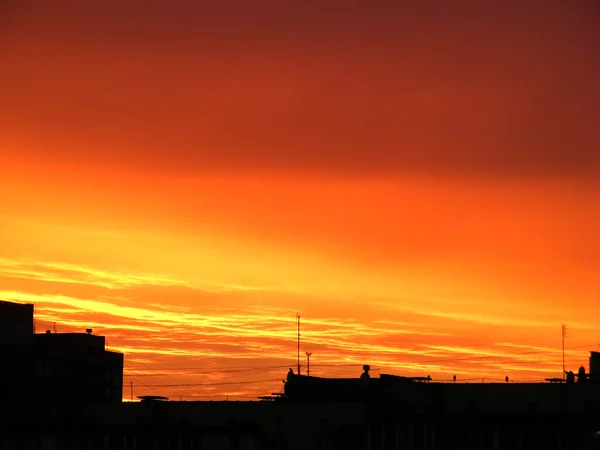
70,273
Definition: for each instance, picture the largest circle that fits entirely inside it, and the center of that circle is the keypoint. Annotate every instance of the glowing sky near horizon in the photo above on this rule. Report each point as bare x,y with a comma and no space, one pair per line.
420,184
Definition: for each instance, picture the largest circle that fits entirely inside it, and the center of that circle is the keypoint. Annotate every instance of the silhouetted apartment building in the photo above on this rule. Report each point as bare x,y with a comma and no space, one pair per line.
595,365
16,323
55,367
75,367
358,425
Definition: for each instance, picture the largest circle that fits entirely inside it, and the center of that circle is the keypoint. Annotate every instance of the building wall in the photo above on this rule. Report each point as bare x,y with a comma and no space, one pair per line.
420,397
595,364
70,342
505,398
54,368
75,374
270,426
16,323
191,425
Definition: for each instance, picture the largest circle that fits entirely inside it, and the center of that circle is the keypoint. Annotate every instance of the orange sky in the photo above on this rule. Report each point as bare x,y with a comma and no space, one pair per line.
419,184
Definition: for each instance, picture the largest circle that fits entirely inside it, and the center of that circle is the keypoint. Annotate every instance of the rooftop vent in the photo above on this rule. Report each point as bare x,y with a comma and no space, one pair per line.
88,331
48,332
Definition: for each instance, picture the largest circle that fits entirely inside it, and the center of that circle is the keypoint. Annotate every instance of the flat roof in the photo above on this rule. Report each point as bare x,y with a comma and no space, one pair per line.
15,305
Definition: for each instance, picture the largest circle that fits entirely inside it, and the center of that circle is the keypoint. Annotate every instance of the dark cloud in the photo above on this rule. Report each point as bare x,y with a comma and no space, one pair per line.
447,87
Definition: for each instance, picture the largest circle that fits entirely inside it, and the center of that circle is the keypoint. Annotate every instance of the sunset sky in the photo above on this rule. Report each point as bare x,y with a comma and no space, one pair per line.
420,182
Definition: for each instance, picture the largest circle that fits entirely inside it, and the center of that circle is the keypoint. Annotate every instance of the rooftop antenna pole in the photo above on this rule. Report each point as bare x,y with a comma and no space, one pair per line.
308,363
298,318
131,394
564,332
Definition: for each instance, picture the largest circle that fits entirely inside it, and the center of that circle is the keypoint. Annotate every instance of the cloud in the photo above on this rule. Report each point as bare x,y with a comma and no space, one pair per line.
71,273
252,343
488,90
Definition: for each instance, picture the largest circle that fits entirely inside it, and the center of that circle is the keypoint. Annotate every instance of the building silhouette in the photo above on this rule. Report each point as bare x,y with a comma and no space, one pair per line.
54,368
595,366
63,391
16,324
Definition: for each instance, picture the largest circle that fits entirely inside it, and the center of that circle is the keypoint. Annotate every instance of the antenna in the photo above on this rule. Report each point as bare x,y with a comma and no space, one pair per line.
298,318
54,327
131,385
308,363
564,333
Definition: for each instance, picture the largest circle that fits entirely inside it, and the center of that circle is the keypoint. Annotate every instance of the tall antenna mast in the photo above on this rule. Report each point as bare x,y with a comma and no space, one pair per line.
298,318
564,333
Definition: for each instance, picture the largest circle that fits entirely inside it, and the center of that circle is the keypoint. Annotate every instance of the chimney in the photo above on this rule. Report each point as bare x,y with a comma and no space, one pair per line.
88,331
48,332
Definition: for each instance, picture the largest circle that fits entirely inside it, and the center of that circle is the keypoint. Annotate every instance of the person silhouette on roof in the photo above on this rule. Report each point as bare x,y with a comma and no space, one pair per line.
290,374
365,377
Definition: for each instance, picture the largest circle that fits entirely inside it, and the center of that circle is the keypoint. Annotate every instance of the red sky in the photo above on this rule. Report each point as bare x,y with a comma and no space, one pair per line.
419,183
